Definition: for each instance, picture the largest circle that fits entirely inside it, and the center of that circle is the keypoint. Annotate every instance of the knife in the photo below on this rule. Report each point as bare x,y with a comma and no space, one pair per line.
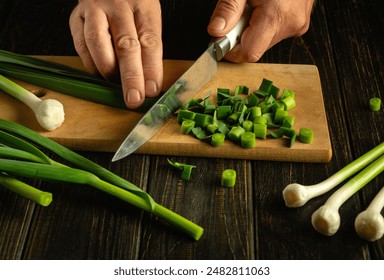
184,89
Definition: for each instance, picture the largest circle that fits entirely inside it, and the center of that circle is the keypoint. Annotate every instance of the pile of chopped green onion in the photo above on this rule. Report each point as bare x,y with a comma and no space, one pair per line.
243,116
65,79
20,157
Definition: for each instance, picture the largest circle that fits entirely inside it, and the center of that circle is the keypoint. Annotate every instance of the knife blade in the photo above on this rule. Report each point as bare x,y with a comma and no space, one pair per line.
185,88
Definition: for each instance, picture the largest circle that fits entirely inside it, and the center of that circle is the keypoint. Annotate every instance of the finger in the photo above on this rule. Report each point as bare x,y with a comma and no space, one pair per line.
256,39
225,16
148,25
99,43
76,24
128,52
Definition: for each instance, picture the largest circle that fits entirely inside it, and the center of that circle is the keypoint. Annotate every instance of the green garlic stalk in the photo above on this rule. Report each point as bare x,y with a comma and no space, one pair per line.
369,224
296,195
326,220
49,112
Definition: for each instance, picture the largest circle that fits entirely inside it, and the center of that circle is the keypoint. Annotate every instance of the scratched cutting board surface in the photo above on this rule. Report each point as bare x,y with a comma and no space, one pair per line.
93,127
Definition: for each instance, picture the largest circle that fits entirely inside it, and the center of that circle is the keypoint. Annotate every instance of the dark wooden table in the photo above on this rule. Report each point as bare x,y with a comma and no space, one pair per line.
346,43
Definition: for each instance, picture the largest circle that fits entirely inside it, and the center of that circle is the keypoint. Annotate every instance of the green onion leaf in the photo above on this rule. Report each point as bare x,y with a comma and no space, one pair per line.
65,79
185,168
40,197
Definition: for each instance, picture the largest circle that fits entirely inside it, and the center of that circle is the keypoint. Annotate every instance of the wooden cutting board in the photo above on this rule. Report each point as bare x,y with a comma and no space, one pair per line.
94,127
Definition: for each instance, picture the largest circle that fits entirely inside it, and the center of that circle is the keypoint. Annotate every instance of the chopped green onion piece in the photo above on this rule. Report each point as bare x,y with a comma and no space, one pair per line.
223,111
187,126
40,197
223,128
228,178
253,100
293,138
194,104
185,115
288,132
247,125
280,115
239,106
253,112
260,130
277,105
225,91
283,131
217,139
288,121
241,89
209,107
202,120
375,104
260,119
234,118
306,135
289,103
288,93
277,134
265,106
199,133
265,87
161,111
274,91
248,140
185,168
187,171
235,133
211,128
269,120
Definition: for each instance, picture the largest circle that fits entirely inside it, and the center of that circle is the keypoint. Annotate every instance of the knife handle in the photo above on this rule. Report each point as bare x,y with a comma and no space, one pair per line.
223,45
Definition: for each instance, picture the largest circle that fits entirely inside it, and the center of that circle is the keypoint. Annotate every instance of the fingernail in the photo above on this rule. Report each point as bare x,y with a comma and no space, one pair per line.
150,88
133,96
217,23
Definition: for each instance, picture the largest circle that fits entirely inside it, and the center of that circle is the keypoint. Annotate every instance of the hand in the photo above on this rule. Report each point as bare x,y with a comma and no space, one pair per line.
271,22
121,37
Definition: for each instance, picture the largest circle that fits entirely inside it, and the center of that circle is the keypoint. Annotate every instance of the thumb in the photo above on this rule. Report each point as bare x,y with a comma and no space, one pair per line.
225,16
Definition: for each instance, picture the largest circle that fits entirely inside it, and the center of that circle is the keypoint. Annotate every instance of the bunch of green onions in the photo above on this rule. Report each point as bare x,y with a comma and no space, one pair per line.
19,157
65,79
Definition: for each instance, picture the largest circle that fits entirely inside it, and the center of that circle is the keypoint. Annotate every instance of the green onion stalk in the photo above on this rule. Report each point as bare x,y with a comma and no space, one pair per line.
32,163
65,79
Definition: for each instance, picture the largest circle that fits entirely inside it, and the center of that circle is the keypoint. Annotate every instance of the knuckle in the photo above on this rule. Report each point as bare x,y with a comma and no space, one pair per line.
127,43
93,36
229,5
300,25
150,40
130,76
295,23
81,46
252,56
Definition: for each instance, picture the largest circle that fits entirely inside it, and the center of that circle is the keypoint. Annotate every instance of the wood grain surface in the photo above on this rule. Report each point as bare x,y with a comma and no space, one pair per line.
95,127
